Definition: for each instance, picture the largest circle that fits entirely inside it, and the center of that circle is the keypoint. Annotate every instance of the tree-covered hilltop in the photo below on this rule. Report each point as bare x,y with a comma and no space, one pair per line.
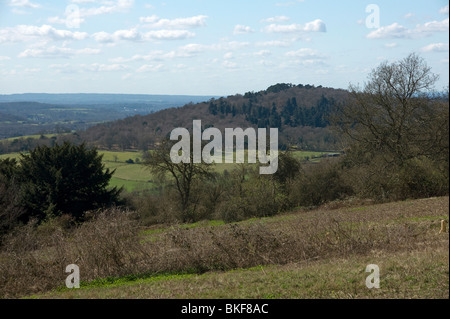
300,112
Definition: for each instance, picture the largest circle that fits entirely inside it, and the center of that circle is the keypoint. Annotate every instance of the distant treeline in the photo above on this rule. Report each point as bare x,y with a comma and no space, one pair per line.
289,114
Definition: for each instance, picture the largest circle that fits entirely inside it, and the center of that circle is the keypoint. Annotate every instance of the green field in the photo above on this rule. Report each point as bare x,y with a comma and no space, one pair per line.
132,177
36,136
136,177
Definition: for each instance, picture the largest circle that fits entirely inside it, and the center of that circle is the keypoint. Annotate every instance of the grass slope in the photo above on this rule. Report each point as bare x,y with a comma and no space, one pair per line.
412,255
417,274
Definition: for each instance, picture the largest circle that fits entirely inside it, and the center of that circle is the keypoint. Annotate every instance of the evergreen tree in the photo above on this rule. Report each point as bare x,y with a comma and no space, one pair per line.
64,179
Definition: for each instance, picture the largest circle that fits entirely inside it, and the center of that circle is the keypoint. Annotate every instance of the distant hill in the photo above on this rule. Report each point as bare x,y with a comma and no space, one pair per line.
36,113
299,111
101,99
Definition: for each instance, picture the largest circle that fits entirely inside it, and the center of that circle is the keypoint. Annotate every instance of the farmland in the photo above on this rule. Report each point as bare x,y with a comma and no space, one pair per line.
134,176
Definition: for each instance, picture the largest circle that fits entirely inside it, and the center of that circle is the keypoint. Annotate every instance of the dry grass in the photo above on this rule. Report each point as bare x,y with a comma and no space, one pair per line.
418,274
113,245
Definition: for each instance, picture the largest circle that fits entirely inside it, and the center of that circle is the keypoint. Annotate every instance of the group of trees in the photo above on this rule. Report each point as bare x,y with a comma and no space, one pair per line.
288,114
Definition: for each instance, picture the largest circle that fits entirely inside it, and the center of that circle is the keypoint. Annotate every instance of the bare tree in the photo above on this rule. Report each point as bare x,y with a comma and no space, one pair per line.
394,114
183,175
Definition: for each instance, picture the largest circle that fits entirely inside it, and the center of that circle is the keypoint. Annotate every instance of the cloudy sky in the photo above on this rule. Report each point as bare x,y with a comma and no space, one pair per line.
211,47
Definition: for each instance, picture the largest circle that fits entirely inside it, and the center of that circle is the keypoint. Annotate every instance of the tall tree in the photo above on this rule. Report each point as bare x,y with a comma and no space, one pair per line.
397,132
391,114
183,175
64,179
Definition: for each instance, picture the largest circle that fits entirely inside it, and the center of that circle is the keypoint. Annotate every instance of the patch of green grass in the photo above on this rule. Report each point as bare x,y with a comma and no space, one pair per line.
110,156
132,172
11,155
130,185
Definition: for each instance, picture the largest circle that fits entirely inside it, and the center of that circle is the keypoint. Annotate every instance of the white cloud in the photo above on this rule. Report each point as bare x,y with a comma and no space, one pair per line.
186,51
228,56
155,55
150,68
56,52
23,3
26,32
313,26
119,35
433,26
74,16
436,47
307,57
263,53
396,30
70,68
191,49
305,53
168,34
130,35
274,43
275,19
151,19
178,23
444,10
98,67
242,29
112,7
135,35
4,58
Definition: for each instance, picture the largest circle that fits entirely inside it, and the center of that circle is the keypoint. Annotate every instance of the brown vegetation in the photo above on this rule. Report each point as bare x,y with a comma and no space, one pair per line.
112,243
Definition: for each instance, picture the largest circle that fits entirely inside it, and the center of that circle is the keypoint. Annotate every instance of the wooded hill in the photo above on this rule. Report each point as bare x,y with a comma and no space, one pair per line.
299,111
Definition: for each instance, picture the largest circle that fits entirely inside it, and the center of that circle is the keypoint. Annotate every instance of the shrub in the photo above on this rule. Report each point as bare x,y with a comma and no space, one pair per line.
319,183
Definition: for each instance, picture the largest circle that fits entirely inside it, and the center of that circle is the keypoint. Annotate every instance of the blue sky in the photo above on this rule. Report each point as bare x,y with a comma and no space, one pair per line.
210,47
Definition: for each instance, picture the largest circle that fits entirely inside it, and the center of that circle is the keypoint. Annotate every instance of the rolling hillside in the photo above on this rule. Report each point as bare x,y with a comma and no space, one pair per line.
299,111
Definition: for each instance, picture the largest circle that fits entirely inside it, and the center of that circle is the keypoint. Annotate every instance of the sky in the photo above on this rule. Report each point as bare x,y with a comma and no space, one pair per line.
211,47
